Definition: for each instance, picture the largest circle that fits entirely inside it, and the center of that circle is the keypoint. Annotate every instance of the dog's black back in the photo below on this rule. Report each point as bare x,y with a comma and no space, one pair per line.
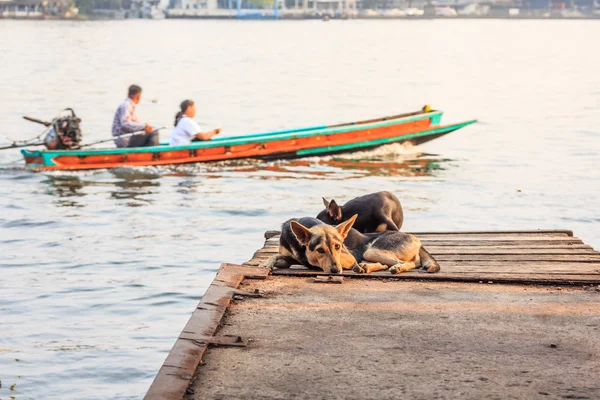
377,212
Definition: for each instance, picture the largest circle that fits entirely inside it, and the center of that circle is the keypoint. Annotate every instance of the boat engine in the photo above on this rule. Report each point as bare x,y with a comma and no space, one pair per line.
64,132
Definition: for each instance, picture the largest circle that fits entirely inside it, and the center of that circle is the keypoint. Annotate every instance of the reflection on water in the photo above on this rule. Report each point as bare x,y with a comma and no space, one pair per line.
344,168
64,186
364,167
134,185
133,174
402,160
186,186
139,184
130,184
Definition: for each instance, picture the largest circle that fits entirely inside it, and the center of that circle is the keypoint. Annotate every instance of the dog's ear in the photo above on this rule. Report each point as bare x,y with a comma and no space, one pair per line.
301,232
334,211
345,227
325,202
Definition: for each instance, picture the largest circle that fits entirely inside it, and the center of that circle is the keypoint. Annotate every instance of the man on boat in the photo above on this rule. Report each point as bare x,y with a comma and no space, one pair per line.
186,129
126,121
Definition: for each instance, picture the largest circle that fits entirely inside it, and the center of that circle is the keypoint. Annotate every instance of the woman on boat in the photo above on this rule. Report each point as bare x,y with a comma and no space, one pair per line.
186,129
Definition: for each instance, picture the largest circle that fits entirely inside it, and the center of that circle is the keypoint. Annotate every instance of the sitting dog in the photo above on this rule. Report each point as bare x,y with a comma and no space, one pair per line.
377,212
314,244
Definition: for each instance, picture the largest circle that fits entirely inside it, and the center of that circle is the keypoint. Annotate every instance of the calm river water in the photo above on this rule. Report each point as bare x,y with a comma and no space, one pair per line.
99,271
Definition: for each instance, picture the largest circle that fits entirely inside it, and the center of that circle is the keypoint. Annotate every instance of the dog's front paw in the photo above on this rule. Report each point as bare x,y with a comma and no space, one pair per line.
359,268
271,262
277,262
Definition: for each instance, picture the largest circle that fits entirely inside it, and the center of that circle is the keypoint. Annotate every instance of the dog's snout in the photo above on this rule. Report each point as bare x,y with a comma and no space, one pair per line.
335,270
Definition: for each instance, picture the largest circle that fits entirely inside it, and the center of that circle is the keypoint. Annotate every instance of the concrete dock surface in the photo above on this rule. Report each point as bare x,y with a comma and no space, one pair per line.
511,315
378,339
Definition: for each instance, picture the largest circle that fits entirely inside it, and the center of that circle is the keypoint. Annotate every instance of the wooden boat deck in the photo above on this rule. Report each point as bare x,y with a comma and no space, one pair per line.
415,335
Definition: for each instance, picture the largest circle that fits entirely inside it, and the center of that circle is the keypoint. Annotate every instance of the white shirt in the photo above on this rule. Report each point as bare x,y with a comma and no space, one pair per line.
184,132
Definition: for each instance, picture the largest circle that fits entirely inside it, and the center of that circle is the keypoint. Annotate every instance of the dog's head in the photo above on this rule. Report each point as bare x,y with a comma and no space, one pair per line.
332,214
323,243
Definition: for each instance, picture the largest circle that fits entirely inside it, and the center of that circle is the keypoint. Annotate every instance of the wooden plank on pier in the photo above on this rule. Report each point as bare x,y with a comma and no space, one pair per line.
543,232
490,250
543,256
496,277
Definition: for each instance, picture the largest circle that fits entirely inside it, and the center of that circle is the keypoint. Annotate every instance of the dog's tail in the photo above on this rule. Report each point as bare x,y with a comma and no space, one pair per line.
428,262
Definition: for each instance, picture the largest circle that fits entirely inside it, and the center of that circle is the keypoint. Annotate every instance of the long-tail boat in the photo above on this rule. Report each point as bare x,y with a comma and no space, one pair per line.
415,127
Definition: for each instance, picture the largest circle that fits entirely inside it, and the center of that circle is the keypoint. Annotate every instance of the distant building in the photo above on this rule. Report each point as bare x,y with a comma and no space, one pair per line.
31,9
323,6
37,9
195,4
333,5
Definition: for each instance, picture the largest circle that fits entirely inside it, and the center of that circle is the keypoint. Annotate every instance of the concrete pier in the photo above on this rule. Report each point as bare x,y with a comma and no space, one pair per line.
510,315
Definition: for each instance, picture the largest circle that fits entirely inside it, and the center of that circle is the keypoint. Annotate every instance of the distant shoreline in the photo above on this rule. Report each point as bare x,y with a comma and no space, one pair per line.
267,14
302,18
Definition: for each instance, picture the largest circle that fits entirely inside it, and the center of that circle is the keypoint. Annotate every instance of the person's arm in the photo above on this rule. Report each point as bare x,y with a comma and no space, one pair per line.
207,135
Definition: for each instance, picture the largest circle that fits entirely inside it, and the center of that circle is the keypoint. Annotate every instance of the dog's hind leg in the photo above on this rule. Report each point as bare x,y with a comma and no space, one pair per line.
403,257
403,267
422,259
376,260
376,255
406,266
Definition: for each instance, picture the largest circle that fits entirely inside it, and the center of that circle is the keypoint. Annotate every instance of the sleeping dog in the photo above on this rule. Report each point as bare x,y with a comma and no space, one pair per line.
316,245
377,212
